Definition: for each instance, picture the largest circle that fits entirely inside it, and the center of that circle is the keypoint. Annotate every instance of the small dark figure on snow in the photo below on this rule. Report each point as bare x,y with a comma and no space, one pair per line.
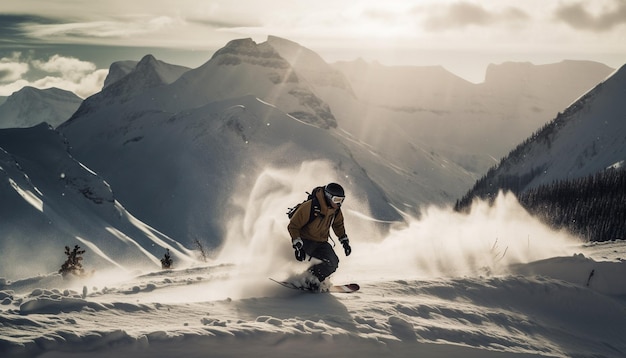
166,261
309,228
73,263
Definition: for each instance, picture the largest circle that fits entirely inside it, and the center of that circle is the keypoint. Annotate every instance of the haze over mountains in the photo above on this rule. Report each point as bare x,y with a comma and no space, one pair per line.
187,150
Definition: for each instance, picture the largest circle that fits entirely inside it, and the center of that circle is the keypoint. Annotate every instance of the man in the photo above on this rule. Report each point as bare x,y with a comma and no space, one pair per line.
309,229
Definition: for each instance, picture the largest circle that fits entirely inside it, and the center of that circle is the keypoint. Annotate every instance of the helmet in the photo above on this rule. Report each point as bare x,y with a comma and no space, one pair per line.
334,189
334,194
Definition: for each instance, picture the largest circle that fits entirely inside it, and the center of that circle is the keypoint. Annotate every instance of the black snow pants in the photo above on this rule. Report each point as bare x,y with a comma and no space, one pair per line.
324,252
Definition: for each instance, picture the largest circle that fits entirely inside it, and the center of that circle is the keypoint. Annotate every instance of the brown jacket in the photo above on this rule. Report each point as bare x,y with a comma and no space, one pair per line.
319,228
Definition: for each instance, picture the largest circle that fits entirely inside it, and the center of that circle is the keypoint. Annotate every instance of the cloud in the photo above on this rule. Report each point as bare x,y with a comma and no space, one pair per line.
11,69
12,27
68,73
578,16
68,67
83,87
122,29
223,23
119,28
463,14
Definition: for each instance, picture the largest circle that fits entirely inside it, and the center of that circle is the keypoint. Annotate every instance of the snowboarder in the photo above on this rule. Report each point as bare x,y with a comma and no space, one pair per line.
309,228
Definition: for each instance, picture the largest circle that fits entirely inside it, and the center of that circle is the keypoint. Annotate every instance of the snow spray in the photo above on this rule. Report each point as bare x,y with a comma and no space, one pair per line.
447,243
441,242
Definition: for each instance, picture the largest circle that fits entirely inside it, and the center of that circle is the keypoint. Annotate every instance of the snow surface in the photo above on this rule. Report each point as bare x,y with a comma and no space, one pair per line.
494,283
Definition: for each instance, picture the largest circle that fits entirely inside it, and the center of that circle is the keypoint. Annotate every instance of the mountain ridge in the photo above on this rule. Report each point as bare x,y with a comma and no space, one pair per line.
31,106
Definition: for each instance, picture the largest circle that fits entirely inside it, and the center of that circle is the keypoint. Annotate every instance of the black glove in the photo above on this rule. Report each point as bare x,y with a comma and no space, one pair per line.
346,245
297,246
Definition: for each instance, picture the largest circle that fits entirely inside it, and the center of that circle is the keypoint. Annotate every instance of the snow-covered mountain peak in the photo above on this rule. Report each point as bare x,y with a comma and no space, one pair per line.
247,51
31,106
585,139
29,93
544,79
244,68
296,54
310,65
149,73
124,83
118,70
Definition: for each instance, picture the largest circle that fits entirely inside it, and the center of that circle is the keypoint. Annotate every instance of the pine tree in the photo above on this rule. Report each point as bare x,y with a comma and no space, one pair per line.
591,207
73,263
166,261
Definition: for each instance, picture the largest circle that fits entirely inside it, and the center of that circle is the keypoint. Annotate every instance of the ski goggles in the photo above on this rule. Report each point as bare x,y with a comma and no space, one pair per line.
336,199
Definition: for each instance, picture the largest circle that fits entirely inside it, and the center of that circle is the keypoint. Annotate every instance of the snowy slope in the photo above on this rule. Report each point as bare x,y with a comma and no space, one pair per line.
50,200
534,297
30,106
586,138
183,171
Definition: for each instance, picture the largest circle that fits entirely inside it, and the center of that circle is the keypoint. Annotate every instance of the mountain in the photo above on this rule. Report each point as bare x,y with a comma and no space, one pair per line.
552,82
583,140
179,154
189,152
125,82
50,200
118,70
448,113
243,68
310,65
31,106
424,134
407,168
570,172
179,128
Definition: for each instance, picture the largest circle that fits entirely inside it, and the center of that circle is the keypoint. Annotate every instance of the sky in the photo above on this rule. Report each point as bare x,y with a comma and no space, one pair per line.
70,44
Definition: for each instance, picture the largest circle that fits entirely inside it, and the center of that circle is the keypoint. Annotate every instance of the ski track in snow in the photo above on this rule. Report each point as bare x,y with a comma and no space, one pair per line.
213,311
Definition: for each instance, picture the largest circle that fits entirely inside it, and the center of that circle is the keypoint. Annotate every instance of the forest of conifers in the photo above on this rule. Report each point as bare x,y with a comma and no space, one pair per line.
592,207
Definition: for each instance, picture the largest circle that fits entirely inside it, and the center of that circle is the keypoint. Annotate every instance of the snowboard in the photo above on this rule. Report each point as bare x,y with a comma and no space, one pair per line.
346,288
